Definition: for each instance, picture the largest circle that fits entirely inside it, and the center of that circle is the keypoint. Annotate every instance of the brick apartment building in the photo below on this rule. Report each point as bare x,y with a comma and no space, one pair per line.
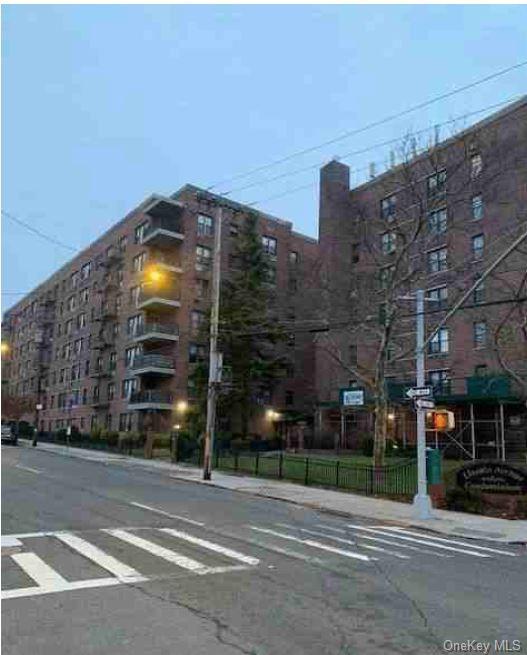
109,340
435,221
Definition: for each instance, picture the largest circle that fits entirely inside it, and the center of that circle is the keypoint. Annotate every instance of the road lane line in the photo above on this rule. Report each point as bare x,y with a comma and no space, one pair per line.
27,468
39,571
452,541
391,543
346,541
159,551
99,557
228,552
418,541
172,516
314,544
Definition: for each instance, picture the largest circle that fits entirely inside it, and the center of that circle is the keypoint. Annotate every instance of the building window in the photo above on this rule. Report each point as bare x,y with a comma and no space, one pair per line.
234,230
74,279
128,387
289,397
293,257
86,271
133,324
437,221
81,321
196,353
111,390
134,295
123,242
477,207
476,166
440,381
388,241
139,232
71,303
386,276
388,206
125,422
437,260
202,288
68,325
292,285
480,334
353,354
197,320
270,276
355,253
84,396
439,342
203,258
87,367
85,294
112,362
95,394
436,185
138,262
131,354
205,225
479,293
478,245
439,297
269,245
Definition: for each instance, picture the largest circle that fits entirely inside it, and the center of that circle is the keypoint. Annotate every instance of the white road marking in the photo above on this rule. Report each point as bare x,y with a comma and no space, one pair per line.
392,543
172,516
27,468
69,586
8,541
39,571
159,551
452,541
313,544
228,552
121,571
346,541
417,541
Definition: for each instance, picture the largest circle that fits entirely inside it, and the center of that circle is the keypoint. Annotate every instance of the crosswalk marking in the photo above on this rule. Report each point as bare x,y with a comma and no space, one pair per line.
314,544
392,543
25,592
418,541
348,542
160,551
228,552
452,541
10,542
38,570
102,559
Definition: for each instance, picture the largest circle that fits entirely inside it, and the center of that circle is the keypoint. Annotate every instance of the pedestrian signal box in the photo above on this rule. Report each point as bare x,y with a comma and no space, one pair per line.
441,420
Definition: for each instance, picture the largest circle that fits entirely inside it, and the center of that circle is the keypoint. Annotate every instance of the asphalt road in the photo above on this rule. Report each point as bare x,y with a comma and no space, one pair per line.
114,559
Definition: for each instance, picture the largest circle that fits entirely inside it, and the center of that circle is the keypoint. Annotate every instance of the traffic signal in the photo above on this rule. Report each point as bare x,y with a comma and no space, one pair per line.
441,420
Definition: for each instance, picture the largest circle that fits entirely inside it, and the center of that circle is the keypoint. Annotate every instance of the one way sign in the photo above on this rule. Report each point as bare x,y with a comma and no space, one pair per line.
419,392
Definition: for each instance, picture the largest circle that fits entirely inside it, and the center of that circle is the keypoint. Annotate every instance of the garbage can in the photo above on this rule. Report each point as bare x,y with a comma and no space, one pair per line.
433,466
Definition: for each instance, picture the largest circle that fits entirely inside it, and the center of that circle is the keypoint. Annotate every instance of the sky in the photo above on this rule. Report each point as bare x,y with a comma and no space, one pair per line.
103,105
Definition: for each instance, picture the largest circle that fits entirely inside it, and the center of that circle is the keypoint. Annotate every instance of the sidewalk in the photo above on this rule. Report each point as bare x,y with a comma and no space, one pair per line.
337,502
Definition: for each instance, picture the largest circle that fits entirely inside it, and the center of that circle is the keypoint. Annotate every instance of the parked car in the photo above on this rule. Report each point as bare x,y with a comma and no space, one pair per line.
10,432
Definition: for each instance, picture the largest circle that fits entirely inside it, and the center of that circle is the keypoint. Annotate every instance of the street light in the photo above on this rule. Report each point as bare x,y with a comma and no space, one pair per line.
181,407
5,348
154,275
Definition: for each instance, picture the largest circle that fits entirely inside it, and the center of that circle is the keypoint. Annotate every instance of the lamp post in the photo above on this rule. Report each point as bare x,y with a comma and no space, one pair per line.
181,410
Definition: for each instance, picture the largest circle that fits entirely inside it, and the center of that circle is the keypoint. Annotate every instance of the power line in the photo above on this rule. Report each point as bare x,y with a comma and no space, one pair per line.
373,124
372,147
38,232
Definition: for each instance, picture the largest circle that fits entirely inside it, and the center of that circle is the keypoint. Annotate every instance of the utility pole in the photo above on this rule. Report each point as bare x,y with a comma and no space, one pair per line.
214,356
422,503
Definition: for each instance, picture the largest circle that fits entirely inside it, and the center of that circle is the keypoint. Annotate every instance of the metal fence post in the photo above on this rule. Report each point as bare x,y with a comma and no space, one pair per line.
217,458
235,461
337,473
280,465
306,480
257,462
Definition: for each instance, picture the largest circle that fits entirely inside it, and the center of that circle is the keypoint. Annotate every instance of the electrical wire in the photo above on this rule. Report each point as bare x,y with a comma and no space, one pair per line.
373,124
42,235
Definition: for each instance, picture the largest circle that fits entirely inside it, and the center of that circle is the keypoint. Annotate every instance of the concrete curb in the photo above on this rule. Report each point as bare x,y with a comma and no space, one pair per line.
517,528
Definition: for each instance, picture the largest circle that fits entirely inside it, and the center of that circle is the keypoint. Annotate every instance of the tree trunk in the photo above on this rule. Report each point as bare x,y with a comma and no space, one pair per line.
381,424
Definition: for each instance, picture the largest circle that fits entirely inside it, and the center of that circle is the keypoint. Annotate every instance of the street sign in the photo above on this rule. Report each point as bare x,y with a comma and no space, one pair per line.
419,392
352,397
424,404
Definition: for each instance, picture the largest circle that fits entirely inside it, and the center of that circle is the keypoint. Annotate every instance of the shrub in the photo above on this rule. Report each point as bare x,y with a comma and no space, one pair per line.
366,446
464,500
112,438
96,433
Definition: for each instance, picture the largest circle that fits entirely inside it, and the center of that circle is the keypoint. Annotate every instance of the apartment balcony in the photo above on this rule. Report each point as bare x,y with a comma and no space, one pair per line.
151,364
158,299
151,399
101,343
152,332
102,373
99,403
107,313
166,227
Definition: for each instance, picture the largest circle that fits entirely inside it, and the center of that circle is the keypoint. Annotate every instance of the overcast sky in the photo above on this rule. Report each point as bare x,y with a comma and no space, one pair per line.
102,105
